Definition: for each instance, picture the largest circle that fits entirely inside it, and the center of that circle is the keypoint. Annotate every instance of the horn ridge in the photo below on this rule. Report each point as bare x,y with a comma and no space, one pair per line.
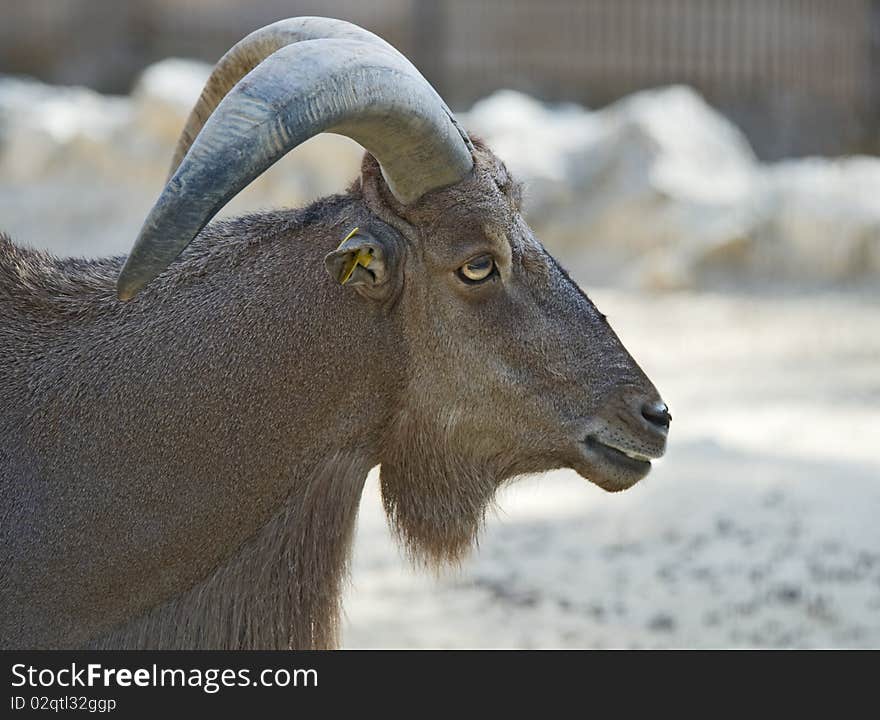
250,51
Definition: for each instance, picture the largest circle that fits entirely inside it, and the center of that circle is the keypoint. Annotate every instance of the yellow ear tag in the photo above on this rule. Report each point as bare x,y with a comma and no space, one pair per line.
348,237
362,257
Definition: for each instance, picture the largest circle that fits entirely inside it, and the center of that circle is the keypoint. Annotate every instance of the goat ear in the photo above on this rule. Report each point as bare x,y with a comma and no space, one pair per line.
360,260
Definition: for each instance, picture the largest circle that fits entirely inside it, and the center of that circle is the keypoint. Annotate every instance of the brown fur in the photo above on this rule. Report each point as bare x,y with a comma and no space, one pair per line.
280,589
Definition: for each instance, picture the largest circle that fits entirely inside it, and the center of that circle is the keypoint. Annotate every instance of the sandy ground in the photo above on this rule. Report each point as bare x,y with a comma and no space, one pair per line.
760,528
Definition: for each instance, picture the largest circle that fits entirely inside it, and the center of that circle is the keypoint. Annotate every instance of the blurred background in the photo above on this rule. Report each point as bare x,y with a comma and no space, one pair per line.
705,168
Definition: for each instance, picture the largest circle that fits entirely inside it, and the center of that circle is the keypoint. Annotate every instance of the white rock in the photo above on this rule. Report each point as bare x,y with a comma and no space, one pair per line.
660,190
683,143
45,129
825,223
78,170
164,95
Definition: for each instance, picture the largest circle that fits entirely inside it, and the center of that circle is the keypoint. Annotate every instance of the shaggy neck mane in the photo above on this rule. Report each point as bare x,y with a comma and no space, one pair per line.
281,589
435,499
37,284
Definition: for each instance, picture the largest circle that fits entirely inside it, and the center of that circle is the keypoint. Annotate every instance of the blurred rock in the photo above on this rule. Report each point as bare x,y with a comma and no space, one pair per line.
823,219
79,170
46,130
637,191
164,95
657,190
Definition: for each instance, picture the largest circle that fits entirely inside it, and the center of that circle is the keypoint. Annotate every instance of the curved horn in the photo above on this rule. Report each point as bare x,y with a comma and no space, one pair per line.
249,52
368,93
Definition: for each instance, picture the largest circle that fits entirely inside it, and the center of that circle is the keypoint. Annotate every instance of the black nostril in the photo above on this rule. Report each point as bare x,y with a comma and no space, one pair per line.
657,413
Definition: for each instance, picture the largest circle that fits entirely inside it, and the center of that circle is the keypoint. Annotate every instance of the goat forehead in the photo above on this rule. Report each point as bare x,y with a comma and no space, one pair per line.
540,265
523,242
563,283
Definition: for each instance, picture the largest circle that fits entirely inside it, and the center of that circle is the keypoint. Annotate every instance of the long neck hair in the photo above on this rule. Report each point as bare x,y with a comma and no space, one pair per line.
280,591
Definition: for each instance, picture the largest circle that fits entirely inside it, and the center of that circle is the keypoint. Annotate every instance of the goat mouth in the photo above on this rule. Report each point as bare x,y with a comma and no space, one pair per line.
617,454
615,468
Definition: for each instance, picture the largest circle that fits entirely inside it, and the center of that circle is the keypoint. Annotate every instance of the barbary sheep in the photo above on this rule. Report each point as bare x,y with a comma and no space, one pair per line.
186,439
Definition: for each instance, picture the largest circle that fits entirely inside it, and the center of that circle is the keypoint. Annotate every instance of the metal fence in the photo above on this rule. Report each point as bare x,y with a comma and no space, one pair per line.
799,75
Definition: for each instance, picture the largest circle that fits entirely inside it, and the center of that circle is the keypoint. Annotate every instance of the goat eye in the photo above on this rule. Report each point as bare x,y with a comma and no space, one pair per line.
478,269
